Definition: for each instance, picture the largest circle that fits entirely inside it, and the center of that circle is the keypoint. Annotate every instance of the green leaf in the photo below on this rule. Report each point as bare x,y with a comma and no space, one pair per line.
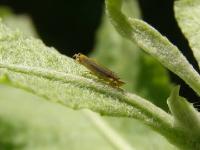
184,112
187,13
27,63
30,122
143,74
186,118
139,135
35,123
23,23
123,137
32,66
151,41
158,46
17,22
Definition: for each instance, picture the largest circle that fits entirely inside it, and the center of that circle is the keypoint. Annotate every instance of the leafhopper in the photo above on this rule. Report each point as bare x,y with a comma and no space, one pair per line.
98,70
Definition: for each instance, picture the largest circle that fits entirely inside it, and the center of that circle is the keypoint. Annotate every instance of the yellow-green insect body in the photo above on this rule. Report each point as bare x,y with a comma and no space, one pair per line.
99,70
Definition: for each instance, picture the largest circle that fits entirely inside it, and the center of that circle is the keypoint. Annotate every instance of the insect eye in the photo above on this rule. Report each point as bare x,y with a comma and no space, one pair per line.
74,56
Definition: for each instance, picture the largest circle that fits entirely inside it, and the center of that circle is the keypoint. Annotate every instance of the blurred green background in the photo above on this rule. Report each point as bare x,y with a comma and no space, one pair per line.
73,26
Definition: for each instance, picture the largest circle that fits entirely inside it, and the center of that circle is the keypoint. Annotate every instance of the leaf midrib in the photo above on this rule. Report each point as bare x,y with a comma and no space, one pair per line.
130,99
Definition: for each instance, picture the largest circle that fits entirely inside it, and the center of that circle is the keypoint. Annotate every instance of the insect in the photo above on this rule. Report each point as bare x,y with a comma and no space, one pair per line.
99,70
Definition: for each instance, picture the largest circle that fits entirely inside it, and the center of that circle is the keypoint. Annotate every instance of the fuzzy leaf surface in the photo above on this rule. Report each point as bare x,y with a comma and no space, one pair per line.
28,64
187,13
152,42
